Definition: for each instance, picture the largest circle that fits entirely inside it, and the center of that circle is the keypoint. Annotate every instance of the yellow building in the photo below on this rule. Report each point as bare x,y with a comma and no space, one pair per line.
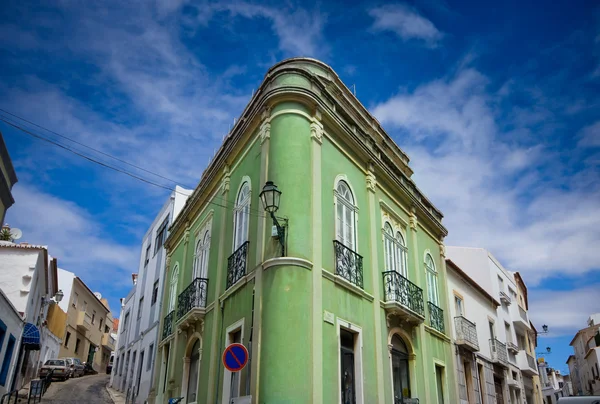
89,324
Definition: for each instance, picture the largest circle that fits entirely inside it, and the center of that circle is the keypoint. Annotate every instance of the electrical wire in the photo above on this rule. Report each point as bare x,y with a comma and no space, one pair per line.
252,212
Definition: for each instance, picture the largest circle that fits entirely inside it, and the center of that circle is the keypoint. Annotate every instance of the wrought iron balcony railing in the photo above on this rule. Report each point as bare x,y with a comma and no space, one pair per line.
397,288
236,265
466,331
168,324
498,350
348,264
436,317
193,296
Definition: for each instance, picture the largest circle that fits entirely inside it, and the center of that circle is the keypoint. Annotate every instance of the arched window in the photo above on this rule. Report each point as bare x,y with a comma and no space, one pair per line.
173,287
242,216
193,373
201,256
345,216
432,287
401,253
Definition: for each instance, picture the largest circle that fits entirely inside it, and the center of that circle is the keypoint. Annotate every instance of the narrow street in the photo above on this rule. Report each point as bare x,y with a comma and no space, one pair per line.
87,389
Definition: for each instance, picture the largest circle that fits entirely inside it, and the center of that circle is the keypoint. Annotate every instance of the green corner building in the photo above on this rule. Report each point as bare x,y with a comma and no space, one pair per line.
353,311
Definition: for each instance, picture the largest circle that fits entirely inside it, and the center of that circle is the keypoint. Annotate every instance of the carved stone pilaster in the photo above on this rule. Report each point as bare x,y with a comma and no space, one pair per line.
371,182
413,219
265,131
316,131
226,180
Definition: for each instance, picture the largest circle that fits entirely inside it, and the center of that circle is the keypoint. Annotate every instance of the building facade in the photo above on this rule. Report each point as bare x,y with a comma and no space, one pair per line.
138,337
89,323
507,333
584,364
346,301
553,383
11,329
28,278
8,178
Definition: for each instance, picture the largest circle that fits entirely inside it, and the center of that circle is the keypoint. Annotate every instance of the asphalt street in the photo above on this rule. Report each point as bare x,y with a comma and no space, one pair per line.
87,389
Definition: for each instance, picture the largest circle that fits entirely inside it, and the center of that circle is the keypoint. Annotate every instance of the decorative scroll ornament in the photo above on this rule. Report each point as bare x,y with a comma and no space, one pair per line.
316,131
413,219
226,179
371,181
265,131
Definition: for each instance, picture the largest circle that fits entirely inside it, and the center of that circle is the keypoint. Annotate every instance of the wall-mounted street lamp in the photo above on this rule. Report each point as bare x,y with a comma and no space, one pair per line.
270,197
544,329
548,352
56,299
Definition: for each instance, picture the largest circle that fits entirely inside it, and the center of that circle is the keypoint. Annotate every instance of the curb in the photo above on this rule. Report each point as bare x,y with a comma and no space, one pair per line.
115,396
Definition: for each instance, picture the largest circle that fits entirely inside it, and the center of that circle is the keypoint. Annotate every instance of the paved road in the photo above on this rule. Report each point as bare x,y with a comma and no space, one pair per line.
87,389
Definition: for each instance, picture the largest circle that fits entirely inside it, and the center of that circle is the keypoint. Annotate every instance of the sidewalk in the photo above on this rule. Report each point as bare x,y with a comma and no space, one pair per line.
115,395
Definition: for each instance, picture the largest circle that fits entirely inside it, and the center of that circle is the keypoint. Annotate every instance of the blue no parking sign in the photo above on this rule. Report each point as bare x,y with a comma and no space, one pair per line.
235,357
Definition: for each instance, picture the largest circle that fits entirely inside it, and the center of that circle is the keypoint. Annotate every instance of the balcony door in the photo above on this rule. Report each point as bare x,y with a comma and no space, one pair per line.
400,371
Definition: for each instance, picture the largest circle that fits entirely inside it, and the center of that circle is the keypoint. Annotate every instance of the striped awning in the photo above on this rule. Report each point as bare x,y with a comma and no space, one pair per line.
31,337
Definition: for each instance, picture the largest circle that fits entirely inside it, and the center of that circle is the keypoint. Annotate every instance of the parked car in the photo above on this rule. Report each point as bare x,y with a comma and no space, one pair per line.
75,366
579,400
88,369
59,368
109,365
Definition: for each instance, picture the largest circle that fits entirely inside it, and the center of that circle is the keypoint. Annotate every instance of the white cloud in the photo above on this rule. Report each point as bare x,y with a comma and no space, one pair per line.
564,312
299,30
590,135
406,22
79,241
495,194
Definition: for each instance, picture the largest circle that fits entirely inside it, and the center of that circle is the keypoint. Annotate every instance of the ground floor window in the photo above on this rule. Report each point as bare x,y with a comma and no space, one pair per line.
400,373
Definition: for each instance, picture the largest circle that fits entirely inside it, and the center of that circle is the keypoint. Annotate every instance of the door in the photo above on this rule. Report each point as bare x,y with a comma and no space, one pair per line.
498,388
193,373
439,378
348,392
400,375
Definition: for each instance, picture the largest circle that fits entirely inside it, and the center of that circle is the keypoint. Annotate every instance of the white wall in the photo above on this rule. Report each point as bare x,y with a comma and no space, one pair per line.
474,262
65,283
143,331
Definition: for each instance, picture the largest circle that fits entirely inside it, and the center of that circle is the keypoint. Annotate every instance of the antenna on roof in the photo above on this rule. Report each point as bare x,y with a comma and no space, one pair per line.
354,89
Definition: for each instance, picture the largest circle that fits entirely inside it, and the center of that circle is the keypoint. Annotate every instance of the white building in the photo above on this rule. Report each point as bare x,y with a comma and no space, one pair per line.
584,364
138,326
553,383
505,334
28,278
11,328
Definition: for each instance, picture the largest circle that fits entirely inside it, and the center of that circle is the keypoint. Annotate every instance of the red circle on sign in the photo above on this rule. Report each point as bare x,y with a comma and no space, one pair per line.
240,361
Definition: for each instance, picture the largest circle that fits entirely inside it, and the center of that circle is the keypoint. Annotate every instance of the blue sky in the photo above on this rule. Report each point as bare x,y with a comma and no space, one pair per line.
497,106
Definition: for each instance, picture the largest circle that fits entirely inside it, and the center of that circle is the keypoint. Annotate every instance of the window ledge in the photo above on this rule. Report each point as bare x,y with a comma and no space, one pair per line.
338,280
438,334
238,285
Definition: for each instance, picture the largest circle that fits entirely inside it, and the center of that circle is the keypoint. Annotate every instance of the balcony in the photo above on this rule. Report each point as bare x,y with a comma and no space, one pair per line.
498,351
512,347
108,342
526,363
84,321
436,317
168,324
521,322
505,299
348,264
403,298
236,265
512,383
466,334
191,303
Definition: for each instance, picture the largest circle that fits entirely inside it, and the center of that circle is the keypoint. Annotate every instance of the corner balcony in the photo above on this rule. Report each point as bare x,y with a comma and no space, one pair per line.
527,364
191,303
521,323
236,265
466,334
403,298
436,317
512,348
108,341
168,325
498,352
84,321
348,264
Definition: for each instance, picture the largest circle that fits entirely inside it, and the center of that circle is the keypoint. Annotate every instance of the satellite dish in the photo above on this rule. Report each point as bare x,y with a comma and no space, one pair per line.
16,233
98,295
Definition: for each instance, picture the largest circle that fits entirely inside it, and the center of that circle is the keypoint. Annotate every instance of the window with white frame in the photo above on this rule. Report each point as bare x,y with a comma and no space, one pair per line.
201,255
432,283
242,216
345,223
395,251
173,287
